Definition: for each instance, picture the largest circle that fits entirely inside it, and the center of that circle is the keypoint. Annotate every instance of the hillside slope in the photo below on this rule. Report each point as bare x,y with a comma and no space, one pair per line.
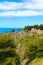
21,48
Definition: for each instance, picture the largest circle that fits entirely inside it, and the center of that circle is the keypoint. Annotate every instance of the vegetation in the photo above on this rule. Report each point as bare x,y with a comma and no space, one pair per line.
7,51
28,28
21,48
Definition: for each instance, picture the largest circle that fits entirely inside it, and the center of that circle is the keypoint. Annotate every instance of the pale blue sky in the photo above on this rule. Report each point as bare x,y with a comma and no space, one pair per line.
20,13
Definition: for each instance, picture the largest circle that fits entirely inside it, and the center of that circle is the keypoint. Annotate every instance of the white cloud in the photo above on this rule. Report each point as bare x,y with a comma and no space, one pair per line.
10,5
21,13
32,8
34,4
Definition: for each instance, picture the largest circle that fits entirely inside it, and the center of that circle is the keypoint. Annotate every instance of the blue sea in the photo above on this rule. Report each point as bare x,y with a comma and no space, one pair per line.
3,30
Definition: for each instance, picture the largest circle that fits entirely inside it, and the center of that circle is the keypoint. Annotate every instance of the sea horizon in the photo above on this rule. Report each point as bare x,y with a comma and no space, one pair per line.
3,30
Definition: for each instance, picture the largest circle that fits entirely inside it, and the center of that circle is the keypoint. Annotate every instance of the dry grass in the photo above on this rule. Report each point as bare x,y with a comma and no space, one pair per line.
37,62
